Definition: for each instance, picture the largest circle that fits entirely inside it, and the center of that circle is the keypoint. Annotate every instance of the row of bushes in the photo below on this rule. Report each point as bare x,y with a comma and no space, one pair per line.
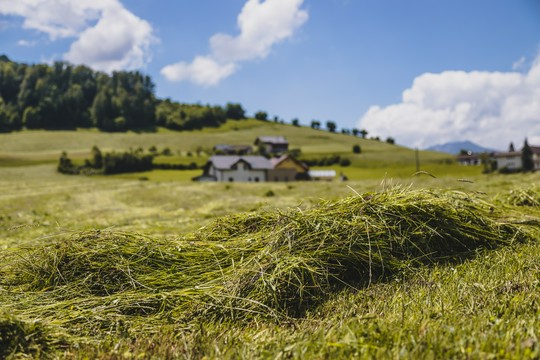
116,163
328,161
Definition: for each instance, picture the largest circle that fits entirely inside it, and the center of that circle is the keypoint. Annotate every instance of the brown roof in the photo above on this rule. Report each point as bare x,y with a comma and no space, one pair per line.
277,160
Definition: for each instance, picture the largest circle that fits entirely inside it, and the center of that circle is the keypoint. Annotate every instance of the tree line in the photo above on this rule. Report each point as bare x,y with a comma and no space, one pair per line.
134,160
66,96
62,96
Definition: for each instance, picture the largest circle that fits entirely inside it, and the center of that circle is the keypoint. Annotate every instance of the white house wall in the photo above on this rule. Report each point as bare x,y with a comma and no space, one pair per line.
243,174
510,162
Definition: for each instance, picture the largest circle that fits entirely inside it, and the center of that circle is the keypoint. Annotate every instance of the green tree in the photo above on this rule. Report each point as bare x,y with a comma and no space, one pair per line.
390,140
355,131
235,111
331,126
527,157
261,115
97,158
31,118
315,124
364,133
295,122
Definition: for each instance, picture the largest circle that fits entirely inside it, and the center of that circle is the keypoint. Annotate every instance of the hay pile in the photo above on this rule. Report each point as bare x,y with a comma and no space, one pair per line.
271,265
301,257
523,196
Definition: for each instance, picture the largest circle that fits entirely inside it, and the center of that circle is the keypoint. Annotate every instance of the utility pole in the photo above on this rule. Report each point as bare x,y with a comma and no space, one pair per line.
417,159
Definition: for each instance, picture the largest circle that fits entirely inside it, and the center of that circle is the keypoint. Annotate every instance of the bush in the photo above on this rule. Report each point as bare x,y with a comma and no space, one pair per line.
356,149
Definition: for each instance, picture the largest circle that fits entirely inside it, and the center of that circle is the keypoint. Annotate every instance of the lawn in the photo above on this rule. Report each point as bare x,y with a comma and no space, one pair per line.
441,264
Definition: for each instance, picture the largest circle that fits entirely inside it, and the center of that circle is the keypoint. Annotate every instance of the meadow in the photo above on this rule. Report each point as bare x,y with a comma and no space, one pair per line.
386,265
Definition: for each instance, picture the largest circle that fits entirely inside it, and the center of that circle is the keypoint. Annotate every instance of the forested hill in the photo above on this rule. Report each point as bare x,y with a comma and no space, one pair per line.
65,96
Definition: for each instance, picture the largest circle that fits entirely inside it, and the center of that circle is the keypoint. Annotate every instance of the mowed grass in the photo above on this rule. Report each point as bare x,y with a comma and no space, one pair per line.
145,281
153,265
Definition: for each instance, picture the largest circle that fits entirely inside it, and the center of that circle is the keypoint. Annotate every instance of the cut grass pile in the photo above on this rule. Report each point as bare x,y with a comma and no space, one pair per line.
523,196
272,266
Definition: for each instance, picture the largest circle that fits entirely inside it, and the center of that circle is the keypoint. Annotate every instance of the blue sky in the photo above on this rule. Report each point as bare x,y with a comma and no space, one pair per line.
421,71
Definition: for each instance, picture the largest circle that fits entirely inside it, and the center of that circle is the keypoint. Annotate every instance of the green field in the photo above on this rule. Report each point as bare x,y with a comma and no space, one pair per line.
378,159
120,268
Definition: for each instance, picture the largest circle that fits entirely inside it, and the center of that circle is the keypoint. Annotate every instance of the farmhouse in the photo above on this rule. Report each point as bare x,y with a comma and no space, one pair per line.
511,160
272,144
232,168
536,157
469,159
237,168
287,168
327,175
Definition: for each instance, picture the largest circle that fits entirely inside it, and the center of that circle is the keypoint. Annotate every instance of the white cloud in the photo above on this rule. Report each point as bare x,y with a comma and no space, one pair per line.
26,43
202,71
107,36
490,108
261,24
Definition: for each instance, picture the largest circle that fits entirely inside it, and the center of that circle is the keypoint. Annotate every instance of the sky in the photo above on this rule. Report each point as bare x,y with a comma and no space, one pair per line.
423,72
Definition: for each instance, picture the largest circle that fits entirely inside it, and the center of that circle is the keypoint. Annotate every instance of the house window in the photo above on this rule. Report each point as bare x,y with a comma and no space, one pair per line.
256,179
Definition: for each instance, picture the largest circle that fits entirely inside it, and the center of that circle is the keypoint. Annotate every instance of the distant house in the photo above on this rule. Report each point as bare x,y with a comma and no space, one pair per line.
272,144
226,149
237,168
469,159
509,160
287,168
512,161
536,157
230,168
322,174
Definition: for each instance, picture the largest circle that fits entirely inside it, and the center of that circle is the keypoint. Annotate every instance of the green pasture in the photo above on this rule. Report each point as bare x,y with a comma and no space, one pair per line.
152,265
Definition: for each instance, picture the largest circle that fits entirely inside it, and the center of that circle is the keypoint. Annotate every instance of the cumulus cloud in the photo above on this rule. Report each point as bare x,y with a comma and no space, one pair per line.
26,43
107,36
202,71
261,24
490,108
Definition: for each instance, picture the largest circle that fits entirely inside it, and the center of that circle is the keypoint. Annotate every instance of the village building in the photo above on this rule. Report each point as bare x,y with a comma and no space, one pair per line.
272,144
233,168
509,160
287,168
326,175
512,160
536,157
469,159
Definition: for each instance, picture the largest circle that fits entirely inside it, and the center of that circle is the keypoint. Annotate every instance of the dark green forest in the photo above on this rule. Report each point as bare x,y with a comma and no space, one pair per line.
66,96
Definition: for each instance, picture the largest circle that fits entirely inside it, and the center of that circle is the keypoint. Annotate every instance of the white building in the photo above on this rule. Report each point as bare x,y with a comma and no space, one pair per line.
237,168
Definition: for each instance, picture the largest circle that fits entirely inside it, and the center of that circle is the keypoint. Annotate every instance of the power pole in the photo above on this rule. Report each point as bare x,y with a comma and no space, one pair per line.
417,156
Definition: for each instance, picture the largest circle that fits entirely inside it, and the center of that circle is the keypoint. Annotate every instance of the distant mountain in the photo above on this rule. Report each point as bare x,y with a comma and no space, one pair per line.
455,147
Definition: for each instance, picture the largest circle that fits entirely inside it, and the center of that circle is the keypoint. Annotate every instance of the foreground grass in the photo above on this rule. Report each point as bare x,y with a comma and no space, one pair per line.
439,292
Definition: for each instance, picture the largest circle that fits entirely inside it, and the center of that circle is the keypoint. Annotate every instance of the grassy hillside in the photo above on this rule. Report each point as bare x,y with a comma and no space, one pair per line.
387,265
378,159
